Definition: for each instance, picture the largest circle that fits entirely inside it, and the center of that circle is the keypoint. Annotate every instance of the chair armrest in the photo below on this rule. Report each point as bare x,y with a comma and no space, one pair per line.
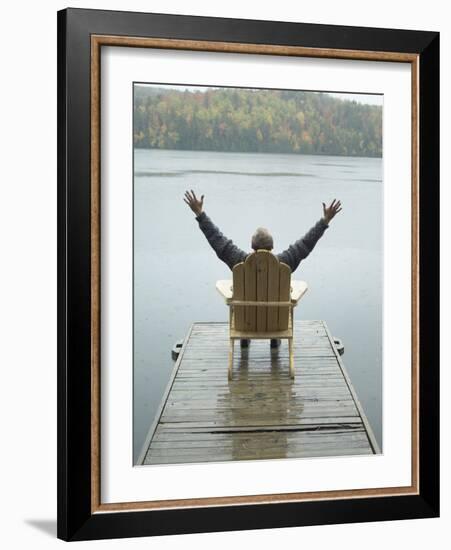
298,289
224,287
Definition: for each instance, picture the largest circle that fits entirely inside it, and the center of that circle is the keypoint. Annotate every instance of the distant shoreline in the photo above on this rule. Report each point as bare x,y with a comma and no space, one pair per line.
138,148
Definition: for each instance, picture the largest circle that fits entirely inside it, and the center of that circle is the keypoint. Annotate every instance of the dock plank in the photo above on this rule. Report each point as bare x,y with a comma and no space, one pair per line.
262,413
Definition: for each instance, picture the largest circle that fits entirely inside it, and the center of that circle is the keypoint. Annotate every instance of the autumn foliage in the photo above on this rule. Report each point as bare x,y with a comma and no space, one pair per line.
248,120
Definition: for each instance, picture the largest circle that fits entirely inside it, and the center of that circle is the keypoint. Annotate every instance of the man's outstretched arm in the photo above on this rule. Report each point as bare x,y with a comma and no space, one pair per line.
225,249
298,251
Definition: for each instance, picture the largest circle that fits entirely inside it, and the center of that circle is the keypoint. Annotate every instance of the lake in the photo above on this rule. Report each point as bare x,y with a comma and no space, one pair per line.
175,269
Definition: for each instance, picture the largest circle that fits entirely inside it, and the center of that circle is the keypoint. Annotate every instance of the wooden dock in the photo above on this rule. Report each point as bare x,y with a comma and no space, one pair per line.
261,413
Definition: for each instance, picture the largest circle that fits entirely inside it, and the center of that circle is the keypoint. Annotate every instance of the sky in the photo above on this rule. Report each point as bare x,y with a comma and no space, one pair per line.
367,99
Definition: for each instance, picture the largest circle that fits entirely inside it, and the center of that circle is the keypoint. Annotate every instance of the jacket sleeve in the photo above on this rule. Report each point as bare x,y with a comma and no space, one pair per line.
302,247
225,249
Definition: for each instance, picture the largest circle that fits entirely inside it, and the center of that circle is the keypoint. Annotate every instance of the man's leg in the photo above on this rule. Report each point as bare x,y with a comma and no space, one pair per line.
244,343
275,343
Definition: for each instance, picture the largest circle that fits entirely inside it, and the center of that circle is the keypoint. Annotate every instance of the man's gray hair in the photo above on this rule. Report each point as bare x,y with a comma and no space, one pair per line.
262,239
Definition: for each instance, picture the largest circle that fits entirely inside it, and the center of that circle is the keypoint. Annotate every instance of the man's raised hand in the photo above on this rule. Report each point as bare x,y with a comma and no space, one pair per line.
330,211
193,202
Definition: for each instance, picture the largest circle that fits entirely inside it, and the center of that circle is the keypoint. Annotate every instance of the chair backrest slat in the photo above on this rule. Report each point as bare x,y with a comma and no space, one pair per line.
284,295
261,261
238,294
261,278
250,292
273,295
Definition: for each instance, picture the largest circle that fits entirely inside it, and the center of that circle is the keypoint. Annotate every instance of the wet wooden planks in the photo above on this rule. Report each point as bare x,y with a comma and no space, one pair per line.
261,413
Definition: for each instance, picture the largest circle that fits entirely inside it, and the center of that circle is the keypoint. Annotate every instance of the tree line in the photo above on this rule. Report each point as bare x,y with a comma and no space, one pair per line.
263,121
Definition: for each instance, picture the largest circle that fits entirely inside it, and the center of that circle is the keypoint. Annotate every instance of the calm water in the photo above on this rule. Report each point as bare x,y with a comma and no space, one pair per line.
175,269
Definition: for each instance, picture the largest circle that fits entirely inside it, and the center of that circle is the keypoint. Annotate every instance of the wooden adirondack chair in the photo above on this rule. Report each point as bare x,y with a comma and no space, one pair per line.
261,299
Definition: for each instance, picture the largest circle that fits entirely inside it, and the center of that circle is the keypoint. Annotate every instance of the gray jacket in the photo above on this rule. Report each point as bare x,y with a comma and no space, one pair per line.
229,253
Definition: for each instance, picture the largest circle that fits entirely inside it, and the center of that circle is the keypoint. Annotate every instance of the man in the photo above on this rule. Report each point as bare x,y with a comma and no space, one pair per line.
229,253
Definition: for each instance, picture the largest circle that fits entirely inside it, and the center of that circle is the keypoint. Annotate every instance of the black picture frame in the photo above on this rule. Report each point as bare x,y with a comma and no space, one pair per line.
76,518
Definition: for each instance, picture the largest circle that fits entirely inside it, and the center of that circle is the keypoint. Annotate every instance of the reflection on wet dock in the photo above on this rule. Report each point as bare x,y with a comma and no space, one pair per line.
262,413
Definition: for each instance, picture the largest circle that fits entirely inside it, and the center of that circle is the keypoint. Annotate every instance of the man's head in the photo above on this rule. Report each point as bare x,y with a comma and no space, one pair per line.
262,239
